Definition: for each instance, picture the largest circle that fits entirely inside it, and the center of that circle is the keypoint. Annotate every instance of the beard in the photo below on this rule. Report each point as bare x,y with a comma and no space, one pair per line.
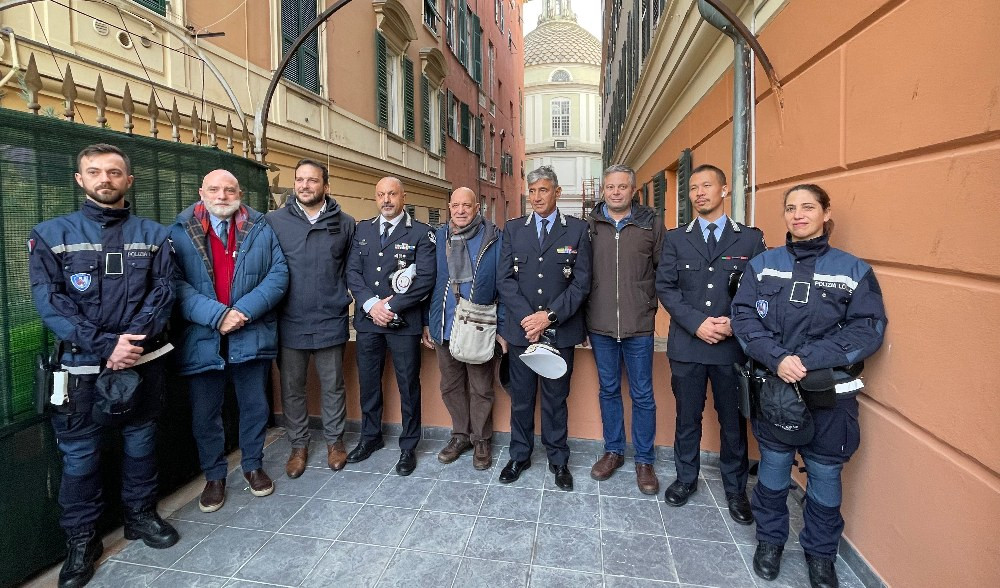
310,199
109,198
224,210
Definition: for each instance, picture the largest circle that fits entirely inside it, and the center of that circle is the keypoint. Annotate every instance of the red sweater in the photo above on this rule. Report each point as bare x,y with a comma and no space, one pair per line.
223,263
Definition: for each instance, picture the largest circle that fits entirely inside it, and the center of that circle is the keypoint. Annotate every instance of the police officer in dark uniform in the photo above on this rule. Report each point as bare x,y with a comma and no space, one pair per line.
697,265
100,278
544,278
390,271
807,312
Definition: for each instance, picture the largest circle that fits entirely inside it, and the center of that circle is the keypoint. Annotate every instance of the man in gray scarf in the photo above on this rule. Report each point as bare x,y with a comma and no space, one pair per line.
467,257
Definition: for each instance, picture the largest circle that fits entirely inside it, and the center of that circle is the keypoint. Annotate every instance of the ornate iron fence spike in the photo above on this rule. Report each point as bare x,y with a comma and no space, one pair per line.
213,131
101,101
69,93
229,133
33,82
128,108
175,123
154,113
195,125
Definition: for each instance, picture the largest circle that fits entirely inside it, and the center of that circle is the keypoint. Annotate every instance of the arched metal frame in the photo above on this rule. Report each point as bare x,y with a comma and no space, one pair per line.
260,123
180,34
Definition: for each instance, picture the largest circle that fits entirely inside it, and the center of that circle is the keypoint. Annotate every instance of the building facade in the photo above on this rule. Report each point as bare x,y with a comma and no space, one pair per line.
482,101
562,103
870,109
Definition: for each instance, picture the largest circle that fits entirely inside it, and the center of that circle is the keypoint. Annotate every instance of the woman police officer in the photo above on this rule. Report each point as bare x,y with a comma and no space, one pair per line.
801,309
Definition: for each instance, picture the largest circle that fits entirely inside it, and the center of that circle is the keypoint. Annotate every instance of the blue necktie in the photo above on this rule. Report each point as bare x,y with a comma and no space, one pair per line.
712,241
544,232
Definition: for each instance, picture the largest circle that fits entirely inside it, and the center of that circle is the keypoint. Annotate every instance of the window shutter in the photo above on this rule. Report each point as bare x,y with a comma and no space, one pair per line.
289,32
381,82
477,50
308,54
449,99
425,108
445,113
410,125
659,191
463,40
479,136
465,125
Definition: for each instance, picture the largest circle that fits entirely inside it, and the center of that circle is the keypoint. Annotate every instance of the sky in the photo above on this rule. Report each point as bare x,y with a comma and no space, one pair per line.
588,14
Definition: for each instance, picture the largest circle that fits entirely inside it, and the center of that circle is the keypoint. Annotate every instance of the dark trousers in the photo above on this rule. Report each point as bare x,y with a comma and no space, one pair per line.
467,392
405,349
524,384
294,364
79,440
689,382
208,389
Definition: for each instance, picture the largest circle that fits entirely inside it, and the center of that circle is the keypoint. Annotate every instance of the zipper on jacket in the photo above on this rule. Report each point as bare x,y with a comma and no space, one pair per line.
618,305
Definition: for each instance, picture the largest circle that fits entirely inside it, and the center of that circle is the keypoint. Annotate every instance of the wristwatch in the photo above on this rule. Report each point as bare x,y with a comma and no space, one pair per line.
550,315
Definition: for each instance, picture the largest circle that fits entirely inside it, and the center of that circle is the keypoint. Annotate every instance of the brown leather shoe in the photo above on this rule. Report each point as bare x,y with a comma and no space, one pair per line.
260,482
336,456
297,462
482,456
606,466
213,496
646,478
454,449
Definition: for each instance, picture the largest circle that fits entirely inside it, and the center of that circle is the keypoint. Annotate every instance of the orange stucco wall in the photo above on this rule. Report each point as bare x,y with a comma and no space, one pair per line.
892,107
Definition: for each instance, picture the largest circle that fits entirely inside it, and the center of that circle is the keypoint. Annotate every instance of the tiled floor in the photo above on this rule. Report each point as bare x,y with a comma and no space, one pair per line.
450,525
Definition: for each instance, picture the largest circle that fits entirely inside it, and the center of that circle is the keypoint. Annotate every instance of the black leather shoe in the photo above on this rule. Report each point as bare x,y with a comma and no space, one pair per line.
407,462
82,552
512,471
564,479
821,572
364,450
739,508
147,525
677,494
767,560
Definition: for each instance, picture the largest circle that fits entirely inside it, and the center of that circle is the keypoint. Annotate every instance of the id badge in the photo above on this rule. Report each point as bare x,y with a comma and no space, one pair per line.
800,292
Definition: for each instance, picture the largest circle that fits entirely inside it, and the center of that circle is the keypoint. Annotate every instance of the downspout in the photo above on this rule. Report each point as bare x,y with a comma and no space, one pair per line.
721,17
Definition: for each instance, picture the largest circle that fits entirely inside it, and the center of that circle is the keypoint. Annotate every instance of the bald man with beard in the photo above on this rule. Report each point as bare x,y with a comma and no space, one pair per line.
232,275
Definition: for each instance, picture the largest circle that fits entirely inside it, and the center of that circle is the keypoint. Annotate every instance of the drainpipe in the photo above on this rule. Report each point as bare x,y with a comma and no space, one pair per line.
721,17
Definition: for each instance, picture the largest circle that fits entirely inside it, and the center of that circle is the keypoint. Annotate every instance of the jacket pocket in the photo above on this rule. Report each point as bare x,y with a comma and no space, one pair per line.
688,277
138,278
82,274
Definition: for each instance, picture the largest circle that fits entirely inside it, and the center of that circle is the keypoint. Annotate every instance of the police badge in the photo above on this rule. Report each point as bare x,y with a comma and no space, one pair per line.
567,271
81,281
762,308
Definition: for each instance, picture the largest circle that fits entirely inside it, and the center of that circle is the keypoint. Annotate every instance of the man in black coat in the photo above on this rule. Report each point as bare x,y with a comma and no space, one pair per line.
544,278
315,236
390,271
698,263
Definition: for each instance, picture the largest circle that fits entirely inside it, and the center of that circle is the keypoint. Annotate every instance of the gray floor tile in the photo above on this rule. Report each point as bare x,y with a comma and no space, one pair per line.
324,519
408,569
349,564
582,482
439,532
623,485
306,485
554,578
117,574
175,579
461,470
742,534
139,553
505,502
284,559
432,446
222,552
267,513
695,522
456,497
402,491
502,540
379,525
570,548
709,563
630,515
382,461
485,573
624,582
235,583
637,556
350,486
570,508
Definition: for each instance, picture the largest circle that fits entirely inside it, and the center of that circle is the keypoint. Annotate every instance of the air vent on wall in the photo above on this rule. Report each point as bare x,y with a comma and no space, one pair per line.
125,40
559,145
100,27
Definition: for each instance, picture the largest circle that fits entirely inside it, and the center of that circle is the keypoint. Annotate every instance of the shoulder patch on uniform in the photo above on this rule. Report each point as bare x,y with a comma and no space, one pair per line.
31,246
432,237
762,308
81,281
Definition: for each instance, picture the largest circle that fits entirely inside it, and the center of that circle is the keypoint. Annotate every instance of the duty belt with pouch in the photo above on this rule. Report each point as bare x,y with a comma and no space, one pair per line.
51,380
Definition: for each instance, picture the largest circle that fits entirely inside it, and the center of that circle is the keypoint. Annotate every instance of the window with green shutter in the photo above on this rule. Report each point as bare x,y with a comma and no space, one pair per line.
425,111
157,6
303,68
480,125
381,81
466,126
477,50
659,193
463,38
444,100
409,115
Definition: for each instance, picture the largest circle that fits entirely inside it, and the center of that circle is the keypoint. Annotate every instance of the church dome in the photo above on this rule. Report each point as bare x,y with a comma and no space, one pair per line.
559,39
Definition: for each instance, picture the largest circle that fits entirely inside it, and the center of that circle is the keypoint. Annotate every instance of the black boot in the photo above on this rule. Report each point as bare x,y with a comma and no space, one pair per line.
767,560
147,525
82,552
821,572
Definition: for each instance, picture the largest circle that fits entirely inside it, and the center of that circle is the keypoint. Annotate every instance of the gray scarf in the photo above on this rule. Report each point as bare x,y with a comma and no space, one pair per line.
459,263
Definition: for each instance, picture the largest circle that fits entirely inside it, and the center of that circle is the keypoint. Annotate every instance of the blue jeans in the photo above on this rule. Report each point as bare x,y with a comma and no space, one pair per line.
208,389
637,354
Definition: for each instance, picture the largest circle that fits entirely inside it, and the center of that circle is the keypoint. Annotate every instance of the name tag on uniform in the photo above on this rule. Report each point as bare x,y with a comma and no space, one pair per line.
113,265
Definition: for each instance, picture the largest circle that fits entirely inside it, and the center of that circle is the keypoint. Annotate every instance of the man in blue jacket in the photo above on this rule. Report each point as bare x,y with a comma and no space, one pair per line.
467,262
390,272
100,278
232,276
315,236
